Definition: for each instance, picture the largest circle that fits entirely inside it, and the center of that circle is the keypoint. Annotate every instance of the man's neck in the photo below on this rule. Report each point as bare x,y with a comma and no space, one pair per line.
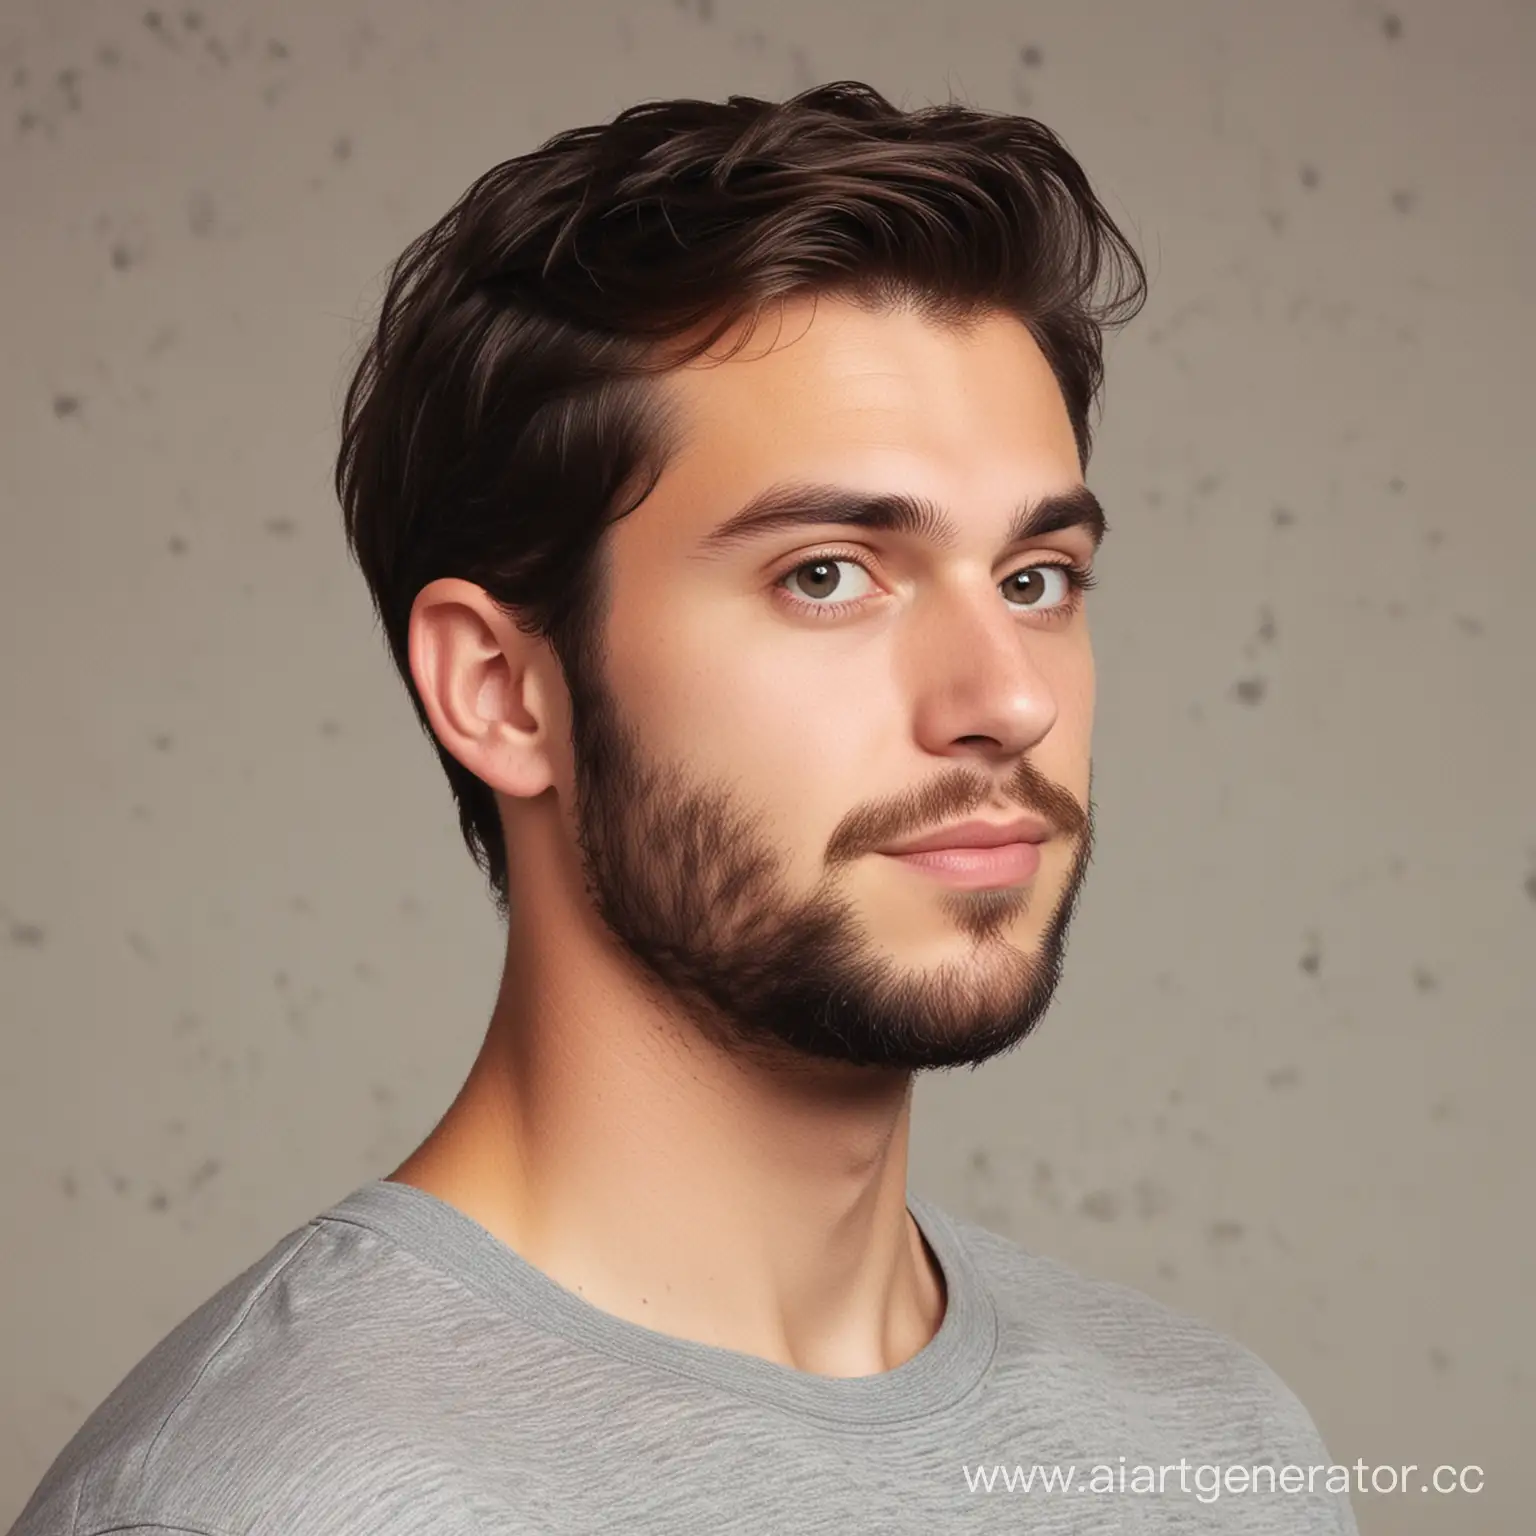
692,1194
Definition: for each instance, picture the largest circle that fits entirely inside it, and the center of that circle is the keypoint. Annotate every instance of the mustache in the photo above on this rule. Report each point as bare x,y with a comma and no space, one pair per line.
954,795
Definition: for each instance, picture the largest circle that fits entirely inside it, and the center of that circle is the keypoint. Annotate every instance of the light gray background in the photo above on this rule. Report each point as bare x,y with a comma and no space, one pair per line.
244,959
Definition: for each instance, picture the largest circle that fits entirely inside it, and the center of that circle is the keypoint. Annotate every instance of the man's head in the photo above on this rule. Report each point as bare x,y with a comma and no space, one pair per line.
592,372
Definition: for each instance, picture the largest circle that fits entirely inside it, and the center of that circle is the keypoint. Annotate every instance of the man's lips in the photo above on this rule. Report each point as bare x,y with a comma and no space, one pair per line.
976,834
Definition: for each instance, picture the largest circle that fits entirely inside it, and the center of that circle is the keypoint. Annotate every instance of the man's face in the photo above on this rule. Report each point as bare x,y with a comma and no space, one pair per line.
772,711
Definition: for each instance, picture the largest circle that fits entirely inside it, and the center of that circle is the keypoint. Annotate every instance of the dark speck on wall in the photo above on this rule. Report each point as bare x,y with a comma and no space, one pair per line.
1311,960
1044,1184
1250,690
1403,199
201,213
1226,1230
66,405
1031,56
1309,176
1101,1204
1391,27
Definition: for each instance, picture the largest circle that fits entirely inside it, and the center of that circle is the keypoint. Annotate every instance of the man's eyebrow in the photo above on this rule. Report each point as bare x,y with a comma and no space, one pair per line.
794,504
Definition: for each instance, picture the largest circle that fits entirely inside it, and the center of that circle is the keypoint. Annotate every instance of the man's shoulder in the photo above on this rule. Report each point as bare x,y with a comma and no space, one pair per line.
297,1376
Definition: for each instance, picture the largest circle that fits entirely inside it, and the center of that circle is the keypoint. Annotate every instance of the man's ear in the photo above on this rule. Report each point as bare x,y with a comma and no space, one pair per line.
493,695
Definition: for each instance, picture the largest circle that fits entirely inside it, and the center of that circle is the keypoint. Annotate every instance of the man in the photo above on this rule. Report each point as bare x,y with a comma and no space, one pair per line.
717,474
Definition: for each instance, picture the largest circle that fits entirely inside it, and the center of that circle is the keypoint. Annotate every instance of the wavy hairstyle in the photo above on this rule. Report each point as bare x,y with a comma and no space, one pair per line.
500,417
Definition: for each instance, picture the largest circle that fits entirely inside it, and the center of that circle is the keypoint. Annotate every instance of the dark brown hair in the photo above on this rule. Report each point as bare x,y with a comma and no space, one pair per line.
499,420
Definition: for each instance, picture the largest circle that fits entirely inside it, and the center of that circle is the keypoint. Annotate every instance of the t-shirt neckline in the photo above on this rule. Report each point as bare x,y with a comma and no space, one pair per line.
943,1371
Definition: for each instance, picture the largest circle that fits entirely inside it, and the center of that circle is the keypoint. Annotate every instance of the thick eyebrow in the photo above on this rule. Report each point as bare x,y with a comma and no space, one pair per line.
794,504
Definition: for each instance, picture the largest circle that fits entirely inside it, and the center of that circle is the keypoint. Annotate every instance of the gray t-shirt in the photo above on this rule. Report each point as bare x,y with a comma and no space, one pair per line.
392,1368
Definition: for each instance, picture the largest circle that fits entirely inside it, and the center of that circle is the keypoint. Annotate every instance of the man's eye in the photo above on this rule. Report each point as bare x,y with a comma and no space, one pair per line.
825,580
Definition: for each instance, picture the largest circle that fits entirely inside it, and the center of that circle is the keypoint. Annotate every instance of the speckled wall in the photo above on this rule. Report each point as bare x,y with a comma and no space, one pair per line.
245,959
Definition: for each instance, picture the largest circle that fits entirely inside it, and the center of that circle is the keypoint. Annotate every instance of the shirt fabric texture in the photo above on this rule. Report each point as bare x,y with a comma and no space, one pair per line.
392,1368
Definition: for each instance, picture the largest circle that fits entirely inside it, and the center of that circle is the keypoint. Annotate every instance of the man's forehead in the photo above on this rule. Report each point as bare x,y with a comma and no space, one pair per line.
832,372
832,414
